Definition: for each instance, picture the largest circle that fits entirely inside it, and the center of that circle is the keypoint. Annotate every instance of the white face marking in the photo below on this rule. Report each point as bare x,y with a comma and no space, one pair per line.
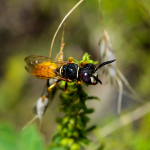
95,74
92,80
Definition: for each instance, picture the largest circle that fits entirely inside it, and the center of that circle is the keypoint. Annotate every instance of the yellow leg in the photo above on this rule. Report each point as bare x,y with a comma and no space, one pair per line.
43,97
79,82
70,59
52,86
83,63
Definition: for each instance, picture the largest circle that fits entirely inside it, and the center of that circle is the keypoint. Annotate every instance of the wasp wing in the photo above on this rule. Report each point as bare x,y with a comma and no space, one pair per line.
34,60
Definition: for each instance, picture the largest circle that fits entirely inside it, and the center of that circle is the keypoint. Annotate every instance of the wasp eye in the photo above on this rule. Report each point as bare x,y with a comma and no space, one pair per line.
86,78
87,73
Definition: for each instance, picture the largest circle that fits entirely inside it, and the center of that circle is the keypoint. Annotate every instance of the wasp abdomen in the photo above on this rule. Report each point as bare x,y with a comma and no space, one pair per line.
70,71
45,70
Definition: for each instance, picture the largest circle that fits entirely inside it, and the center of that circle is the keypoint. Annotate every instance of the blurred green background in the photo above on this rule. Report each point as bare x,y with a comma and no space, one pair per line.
27,28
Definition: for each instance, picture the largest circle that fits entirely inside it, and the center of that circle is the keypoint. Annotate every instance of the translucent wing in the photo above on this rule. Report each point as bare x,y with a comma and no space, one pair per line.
34,60
43,67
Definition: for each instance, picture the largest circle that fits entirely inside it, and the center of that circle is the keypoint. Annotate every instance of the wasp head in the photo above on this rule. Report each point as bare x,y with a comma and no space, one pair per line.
89,73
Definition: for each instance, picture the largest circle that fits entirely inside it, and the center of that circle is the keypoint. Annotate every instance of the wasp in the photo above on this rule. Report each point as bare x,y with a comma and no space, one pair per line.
69,71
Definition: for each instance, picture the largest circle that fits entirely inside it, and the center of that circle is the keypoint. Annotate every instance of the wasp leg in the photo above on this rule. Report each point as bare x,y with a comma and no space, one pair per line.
45,91
53,85
79,82
66,86
71,59
83,63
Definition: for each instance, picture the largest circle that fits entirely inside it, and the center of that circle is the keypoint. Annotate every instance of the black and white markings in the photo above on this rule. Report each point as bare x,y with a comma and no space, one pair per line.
92,78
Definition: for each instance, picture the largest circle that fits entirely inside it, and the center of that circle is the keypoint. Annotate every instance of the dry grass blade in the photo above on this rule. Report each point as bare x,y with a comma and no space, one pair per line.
40,108
34,118
120,94
112,71
60,54
143,7
100,13
42,103
126,119
126,82
62,23
107,53
62,39
131,96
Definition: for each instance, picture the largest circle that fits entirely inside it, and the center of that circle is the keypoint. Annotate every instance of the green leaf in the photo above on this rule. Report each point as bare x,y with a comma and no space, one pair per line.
57,139
85,119
88,111
86,58
101,147
13,71
59,120
91,128
56,148
93,97
8,138
30,139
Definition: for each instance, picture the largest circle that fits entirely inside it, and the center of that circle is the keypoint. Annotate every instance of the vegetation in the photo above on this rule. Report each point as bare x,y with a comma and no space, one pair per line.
27,28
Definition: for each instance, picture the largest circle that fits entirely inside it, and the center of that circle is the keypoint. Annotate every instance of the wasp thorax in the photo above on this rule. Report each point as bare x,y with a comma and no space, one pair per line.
70,71
89,73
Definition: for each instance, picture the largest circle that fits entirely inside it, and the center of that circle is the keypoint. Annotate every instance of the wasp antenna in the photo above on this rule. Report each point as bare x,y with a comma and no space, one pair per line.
97,80
105,63
34,118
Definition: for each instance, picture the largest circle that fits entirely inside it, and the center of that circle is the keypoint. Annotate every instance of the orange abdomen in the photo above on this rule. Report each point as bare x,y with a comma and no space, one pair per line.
45,70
